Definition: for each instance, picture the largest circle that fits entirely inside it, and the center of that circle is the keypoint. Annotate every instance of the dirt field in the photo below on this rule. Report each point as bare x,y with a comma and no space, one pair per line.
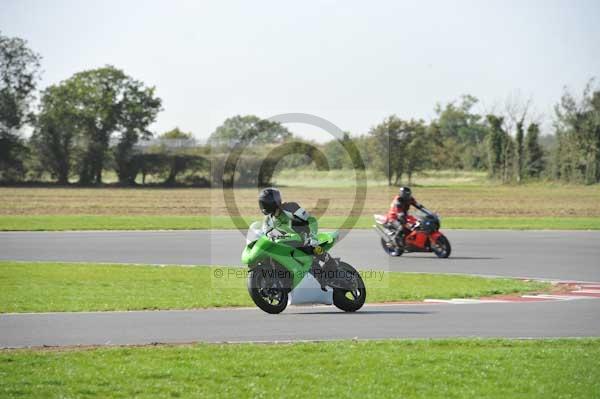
522,201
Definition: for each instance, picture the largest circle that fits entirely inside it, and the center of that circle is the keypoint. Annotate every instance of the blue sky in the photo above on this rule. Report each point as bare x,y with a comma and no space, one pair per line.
350,62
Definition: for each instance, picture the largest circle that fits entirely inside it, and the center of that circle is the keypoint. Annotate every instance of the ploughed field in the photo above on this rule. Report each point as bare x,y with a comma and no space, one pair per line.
469,201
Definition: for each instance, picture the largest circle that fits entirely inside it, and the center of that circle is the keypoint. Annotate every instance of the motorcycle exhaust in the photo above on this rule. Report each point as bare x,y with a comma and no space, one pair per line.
381,231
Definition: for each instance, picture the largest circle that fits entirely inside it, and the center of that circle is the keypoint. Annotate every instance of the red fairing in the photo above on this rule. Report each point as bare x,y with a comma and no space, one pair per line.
416,239
435,235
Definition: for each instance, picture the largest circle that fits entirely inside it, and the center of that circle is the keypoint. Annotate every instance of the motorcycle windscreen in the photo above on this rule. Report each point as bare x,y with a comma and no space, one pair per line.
254,232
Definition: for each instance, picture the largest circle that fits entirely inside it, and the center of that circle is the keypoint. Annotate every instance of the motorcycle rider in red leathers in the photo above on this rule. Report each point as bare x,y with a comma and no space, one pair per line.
398,215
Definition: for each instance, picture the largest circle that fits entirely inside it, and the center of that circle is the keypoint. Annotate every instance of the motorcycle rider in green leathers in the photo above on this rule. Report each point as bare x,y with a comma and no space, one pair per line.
286,255
287,217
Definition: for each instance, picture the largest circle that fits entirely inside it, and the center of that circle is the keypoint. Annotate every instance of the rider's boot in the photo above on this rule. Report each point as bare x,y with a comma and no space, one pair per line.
400,237
325,272
317,271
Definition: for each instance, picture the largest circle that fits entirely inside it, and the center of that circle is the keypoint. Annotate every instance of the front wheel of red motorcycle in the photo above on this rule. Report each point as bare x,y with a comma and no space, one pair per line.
441,247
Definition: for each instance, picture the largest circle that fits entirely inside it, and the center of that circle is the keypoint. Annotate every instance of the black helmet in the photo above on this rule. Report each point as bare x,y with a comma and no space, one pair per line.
405,193
269,200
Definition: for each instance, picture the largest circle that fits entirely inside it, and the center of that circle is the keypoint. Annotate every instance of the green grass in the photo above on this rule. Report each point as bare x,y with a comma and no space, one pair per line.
153,222
45,287
97,222
562,368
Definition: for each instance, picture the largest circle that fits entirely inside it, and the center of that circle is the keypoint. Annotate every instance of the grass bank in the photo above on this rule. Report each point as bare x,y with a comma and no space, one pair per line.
154,222
407,369
45,287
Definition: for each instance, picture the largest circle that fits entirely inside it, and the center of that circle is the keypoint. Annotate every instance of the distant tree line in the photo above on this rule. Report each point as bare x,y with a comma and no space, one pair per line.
98,121
457,138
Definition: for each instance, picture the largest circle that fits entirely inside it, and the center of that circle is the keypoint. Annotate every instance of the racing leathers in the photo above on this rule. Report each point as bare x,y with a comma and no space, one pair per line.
292,218
398,212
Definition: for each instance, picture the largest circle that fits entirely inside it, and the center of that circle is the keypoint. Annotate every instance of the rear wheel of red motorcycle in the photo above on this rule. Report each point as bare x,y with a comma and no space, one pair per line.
390,250
442,247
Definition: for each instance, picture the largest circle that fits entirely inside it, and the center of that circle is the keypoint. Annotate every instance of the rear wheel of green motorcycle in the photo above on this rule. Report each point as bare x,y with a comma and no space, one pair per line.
268,289
350,300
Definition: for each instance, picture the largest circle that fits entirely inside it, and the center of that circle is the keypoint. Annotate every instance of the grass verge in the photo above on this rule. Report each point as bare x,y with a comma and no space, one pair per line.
46,287
563,368
151,222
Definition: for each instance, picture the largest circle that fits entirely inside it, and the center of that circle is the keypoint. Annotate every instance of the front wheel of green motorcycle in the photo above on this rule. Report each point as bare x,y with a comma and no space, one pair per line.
350,300
267,289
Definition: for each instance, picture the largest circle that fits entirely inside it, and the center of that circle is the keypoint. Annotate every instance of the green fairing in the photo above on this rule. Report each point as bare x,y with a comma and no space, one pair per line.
297,262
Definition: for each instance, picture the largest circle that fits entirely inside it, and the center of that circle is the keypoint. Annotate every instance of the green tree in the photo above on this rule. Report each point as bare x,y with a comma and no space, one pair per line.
534,154
152,163
417,155
19,72
385,143
343,153
458,134
176,134
100,104
178,156
578,135
335,154
56,132
136,108
363,158
500,149
248,129
352,148
520,150
401,147
179,163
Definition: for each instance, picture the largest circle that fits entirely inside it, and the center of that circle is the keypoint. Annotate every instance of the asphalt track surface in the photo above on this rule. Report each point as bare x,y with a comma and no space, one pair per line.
541,254
558,255
575,318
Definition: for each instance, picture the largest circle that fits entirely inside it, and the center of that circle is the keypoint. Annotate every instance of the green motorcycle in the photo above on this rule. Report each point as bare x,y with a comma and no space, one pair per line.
284,272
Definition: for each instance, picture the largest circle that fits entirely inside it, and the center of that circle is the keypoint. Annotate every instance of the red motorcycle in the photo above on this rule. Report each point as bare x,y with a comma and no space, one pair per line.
424,235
